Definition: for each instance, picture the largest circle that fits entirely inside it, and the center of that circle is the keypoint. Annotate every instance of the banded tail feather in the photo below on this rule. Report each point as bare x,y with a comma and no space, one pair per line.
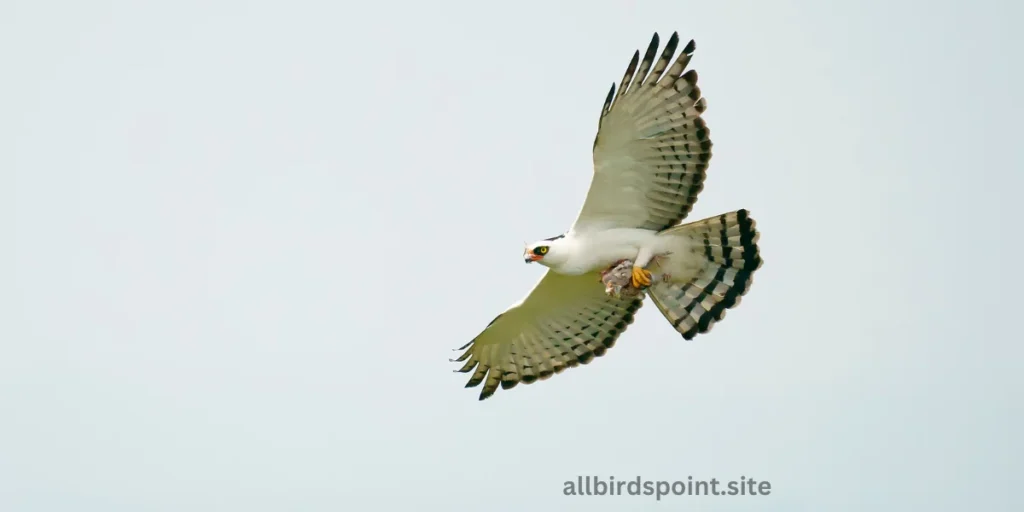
726,246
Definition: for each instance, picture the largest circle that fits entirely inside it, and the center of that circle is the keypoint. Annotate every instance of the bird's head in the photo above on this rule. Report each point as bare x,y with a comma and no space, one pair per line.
547,252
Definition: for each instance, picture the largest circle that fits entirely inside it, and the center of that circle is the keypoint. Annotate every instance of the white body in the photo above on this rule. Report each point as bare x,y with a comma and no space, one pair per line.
594,251
581,253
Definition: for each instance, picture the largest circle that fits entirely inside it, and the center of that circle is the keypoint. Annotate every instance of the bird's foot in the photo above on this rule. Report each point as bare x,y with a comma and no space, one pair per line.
640,278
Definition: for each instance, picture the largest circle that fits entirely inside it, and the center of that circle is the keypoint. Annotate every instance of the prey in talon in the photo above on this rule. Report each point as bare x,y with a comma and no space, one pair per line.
620,279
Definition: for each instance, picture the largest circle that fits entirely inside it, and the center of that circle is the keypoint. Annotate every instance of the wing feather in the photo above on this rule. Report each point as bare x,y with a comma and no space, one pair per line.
652,146
565,321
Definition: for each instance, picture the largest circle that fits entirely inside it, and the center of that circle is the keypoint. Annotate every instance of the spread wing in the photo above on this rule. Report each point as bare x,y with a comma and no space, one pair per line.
652,147
563,322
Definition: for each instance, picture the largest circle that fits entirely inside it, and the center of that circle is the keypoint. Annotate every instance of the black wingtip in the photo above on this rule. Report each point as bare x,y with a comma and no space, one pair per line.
701,106
674,40
690,47
652,49
627,77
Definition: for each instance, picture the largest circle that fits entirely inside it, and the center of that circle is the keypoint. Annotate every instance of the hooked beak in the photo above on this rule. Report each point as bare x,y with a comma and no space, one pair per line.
531,257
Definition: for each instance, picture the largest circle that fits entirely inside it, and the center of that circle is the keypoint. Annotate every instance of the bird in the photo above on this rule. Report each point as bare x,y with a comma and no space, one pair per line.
651,155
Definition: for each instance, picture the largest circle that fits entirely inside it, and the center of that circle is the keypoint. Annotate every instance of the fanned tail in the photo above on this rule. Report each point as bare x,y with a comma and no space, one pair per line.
726,249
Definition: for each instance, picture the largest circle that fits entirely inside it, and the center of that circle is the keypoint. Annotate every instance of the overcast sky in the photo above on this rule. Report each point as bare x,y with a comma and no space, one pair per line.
242,238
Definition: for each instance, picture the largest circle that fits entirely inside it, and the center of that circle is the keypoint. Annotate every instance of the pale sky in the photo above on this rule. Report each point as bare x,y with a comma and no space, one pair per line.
244,238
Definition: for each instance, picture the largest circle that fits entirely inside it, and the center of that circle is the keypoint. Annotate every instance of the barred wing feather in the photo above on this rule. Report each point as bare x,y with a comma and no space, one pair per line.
563,322
652,147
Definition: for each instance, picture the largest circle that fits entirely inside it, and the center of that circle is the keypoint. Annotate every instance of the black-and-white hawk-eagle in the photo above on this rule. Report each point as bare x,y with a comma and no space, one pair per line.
651,154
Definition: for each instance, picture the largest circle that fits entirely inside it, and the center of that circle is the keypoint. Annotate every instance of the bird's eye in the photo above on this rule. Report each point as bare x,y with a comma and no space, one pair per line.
540,251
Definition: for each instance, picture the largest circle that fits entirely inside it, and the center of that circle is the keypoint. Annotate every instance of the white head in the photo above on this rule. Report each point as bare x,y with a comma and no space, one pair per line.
547,252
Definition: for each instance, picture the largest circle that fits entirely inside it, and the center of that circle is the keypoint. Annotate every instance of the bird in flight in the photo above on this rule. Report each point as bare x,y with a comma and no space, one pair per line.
650,157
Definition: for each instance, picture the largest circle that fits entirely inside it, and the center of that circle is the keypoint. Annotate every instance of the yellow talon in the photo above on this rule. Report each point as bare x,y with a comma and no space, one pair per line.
640,278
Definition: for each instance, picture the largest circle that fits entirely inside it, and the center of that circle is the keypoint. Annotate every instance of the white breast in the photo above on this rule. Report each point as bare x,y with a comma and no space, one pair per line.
595,251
